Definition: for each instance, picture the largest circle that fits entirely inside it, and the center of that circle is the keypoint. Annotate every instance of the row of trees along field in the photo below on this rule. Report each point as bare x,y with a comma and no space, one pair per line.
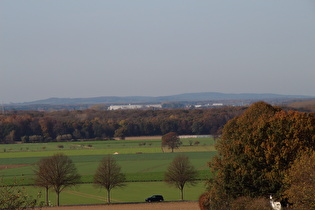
265,151
35,126
58,172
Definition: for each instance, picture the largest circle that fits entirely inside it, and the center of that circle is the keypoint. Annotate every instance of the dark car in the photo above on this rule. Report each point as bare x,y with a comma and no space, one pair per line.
155,198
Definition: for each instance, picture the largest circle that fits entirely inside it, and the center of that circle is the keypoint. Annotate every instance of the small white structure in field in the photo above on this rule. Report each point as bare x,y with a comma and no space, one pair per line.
116,153
275,204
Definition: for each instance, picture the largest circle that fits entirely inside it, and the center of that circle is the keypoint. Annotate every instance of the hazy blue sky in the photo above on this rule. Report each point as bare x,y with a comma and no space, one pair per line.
88,48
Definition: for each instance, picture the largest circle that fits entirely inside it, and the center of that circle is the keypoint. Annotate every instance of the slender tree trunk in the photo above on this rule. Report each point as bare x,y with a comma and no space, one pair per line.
108,196
182,193
47,203
57,198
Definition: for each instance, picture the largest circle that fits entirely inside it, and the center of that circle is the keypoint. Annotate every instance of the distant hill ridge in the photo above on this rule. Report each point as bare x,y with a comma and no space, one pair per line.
206,96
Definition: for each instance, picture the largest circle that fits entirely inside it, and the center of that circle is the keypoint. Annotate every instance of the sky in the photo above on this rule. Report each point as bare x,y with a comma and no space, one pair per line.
91,48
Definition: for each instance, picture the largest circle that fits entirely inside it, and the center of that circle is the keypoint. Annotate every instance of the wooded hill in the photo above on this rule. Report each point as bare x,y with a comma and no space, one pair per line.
172,101
204,96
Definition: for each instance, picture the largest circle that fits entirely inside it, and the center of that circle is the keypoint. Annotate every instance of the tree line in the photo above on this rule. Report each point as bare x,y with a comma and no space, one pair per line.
36,126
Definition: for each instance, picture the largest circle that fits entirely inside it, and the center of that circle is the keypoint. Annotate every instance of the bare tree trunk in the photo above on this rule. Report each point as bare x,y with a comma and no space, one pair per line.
47,202
57,198
108,196
182,193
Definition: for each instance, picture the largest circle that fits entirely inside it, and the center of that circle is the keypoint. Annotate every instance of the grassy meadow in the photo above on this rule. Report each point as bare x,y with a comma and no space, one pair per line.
85,194
141,160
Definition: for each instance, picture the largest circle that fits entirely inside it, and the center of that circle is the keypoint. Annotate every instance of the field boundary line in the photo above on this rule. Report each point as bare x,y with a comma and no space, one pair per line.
85,195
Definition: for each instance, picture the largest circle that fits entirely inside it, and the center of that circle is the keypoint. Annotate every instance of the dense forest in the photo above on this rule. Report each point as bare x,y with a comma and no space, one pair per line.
36,126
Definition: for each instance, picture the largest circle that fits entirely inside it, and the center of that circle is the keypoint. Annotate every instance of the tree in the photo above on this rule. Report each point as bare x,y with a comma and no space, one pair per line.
57,172
300,181
40,180
109,175
13,197
171,140
180,172
258,147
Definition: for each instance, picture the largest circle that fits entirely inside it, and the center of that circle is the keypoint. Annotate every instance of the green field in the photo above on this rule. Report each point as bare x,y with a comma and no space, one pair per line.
141,163
132,192
88,145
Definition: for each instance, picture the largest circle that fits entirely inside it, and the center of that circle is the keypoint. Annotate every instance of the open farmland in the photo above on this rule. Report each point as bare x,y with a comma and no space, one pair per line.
86,194
141,160
138,206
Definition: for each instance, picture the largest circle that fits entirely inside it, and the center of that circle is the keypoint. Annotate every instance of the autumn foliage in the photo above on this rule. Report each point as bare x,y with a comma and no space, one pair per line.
300,181
15,197
36,126
257,148
171,140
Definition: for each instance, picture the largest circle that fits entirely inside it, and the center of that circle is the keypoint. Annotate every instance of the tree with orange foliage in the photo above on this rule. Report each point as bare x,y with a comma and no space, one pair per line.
258,147
300,181
171,140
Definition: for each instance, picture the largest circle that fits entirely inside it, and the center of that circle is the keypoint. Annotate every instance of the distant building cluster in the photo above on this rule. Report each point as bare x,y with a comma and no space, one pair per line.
158,106
130,106
209,105
106,106
193,136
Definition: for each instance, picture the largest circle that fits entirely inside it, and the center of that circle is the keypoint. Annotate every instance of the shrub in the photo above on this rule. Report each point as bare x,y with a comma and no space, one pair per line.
204,201
16,197
65,137
242,203
25,139
215,198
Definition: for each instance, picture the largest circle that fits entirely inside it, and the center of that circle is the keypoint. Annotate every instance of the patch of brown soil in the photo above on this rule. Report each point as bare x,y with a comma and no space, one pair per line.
140,206
13,166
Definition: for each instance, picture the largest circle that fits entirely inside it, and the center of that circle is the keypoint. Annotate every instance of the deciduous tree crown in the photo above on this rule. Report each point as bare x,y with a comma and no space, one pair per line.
257,148
109,175
171,140
56,172
181,172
